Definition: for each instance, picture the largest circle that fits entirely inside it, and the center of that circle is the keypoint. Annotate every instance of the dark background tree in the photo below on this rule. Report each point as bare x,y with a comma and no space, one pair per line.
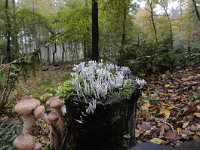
8,32
95,31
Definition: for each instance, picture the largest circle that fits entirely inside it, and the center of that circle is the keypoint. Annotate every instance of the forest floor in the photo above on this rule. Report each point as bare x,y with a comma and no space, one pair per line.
168,110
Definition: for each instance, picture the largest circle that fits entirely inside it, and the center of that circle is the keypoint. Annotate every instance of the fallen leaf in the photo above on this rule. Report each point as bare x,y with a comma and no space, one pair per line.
191,133
154,109
194,83
165,112
163,94
197,115
144,95
179,131
185,124
198,126
146,105
198,107
137,133
167,85
171,107
146,126
156,141
172,135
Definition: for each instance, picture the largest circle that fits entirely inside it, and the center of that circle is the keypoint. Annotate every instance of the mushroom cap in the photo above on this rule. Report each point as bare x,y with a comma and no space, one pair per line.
55,102
53,117
38,112
48,102
26,105
38,146
24,142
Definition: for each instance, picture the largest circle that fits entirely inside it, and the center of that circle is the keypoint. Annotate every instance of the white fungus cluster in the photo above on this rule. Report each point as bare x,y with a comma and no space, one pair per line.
98,79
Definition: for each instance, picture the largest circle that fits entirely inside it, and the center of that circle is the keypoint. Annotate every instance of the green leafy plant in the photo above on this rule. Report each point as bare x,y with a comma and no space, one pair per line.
66,90
9,130
196,96
125,91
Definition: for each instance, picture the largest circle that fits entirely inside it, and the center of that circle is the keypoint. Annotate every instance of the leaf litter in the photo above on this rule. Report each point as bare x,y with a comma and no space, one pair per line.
169,110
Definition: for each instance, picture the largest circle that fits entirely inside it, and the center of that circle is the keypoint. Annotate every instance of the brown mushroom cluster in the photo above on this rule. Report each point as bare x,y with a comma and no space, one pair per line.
55,120
30,111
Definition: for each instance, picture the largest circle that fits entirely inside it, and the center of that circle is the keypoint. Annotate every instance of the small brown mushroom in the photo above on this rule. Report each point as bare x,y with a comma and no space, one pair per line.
53,117
56,104
25,108
24,142
53,135
38,112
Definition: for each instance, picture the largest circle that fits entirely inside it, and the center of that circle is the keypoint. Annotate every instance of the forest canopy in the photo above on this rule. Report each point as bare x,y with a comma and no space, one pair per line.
155,35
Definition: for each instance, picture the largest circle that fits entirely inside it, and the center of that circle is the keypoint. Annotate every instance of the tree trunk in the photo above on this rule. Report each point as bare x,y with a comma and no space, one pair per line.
95,31
48,55
85,47
181,24
33,5
196,9
8,32
86,35
14,35
124,29
152,19
110,127
54,52
63,52
170,25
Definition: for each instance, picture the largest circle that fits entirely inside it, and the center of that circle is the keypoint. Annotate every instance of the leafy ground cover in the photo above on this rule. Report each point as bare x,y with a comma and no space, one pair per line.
169,110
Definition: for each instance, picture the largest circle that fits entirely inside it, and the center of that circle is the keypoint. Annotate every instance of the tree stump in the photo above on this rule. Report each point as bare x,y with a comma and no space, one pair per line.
110,127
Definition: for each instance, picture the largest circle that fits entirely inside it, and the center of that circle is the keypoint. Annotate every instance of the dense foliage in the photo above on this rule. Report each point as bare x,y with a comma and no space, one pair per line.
155,35
10,74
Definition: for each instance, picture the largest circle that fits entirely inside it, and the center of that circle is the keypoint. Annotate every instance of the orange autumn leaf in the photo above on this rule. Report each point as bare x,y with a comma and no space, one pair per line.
146,105
179,131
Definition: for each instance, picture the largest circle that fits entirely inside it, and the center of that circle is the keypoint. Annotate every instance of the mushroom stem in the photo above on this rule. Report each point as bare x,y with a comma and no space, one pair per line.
27,124
60,125
38,146
53,136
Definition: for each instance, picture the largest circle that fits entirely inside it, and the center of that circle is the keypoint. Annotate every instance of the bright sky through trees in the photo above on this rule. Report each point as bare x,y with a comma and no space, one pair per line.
172,5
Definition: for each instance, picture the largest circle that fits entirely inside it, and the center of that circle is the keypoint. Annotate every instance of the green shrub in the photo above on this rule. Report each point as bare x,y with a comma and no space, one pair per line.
66,90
